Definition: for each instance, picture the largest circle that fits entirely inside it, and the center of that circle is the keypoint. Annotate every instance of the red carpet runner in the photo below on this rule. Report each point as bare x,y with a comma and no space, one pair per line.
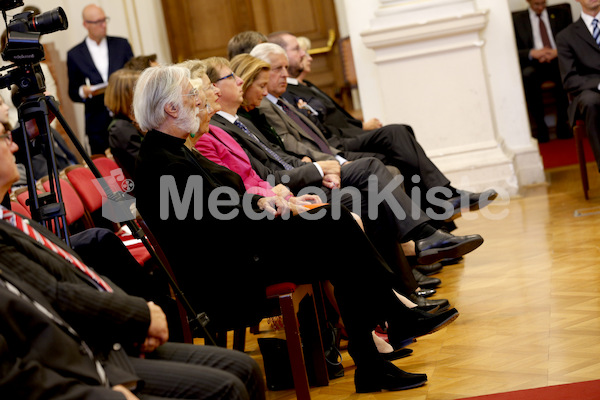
562,152
589,390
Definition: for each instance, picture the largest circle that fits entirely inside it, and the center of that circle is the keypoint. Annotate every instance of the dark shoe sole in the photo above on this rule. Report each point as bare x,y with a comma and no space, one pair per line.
397,354
473,207
458,250
442,325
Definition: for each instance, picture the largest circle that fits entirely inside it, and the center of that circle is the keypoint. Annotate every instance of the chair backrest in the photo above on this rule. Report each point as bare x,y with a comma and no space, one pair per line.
82,180
74,208
109,168
18,208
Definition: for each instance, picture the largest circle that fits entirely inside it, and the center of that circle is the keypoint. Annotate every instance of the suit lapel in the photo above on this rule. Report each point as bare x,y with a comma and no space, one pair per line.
582,31
86,59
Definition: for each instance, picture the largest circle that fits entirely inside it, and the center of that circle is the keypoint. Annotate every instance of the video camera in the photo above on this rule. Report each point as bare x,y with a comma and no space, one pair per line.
23,46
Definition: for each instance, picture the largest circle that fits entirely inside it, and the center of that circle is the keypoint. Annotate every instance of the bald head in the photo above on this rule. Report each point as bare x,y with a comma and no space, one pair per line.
94,20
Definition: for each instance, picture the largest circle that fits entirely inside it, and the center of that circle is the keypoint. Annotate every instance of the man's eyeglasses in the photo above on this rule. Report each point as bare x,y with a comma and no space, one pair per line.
194,93
7,137
231,75
99,21
206,108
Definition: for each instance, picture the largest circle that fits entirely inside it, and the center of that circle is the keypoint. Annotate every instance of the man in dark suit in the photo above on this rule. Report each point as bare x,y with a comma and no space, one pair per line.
89,65
535,31
579,60
109,320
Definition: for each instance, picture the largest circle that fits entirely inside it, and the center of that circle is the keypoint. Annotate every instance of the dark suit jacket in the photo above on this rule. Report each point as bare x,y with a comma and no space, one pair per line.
39,356
579,61
80,66
560,17
303,174
102,319
293,136
336,120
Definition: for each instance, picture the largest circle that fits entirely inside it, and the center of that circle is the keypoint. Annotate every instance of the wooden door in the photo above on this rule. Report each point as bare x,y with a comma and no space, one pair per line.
201,28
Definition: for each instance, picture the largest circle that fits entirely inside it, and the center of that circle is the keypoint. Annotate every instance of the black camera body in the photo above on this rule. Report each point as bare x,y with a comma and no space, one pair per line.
23,47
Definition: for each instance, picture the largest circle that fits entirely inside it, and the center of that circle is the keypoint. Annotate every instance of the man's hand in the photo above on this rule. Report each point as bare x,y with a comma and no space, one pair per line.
126,392
274,205
282,191
158,332
330,167
543,55
373,123
306,159
332,181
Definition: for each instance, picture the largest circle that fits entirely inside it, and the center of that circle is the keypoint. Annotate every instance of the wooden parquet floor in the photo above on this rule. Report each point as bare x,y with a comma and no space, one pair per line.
529,301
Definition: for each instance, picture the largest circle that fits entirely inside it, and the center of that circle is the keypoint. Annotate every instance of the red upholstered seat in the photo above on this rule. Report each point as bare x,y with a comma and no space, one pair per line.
279,289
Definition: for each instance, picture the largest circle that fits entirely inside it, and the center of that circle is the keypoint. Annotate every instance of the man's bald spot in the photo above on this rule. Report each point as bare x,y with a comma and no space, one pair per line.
90,9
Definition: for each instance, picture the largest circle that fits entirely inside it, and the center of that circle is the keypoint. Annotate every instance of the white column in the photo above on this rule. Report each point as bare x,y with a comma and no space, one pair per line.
429,63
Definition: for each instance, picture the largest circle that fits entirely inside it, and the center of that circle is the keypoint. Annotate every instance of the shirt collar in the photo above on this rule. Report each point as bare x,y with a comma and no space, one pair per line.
588,19
227,116
272,98
91,42
292,81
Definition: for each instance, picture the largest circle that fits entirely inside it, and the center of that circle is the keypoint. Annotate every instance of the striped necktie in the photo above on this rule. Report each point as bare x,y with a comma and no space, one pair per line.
323,146
596,31
23,226
266,148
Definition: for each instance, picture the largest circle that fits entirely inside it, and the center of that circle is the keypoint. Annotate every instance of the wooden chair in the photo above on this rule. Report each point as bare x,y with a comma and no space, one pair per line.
74,209
579,134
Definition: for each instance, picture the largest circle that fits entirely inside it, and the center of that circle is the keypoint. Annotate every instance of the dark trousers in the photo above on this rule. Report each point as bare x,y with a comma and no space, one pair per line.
342,254
587,105
198,372
533,76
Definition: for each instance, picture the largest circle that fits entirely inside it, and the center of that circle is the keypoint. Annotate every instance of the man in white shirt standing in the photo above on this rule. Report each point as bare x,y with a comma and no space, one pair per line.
579,60
535,30
89,64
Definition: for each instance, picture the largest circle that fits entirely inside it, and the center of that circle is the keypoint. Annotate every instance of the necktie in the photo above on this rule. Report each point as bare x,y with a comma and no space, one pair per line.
24,227
58,321
544,33
266,148
596,31
323,146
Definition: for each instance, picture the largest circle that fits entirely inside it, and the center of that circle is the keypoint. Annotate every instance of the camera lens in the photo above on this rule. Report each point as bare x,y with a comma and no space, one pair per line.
50,21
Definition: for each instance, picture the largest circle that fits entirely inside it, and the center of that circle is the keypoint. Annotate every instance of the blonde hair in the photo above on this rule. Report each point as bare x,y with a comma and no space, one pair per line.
197,67
118,97
248,67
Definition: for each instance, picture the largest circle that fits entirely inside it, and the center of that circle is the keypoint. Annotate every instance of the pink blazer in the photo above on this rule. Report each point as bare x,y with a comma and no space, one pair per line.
219,147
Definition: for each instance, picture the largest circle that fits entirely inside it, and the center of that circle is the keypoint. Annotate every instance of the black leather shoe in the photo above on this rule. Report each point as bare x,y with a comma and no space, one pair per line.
430,269
451,261
425,282
421,301
442,245
425,292
422,324
397,354
386,377
470,201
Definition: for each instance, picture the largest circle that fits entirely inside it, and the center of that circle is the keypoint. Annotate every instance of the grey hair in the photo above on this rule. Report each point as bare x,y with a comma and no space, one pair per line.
265,51
155,88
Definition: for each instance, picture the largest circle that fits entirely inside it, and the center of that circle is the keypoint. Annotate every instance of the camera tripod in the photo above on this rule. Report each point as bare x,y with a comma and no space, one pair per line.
49,209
